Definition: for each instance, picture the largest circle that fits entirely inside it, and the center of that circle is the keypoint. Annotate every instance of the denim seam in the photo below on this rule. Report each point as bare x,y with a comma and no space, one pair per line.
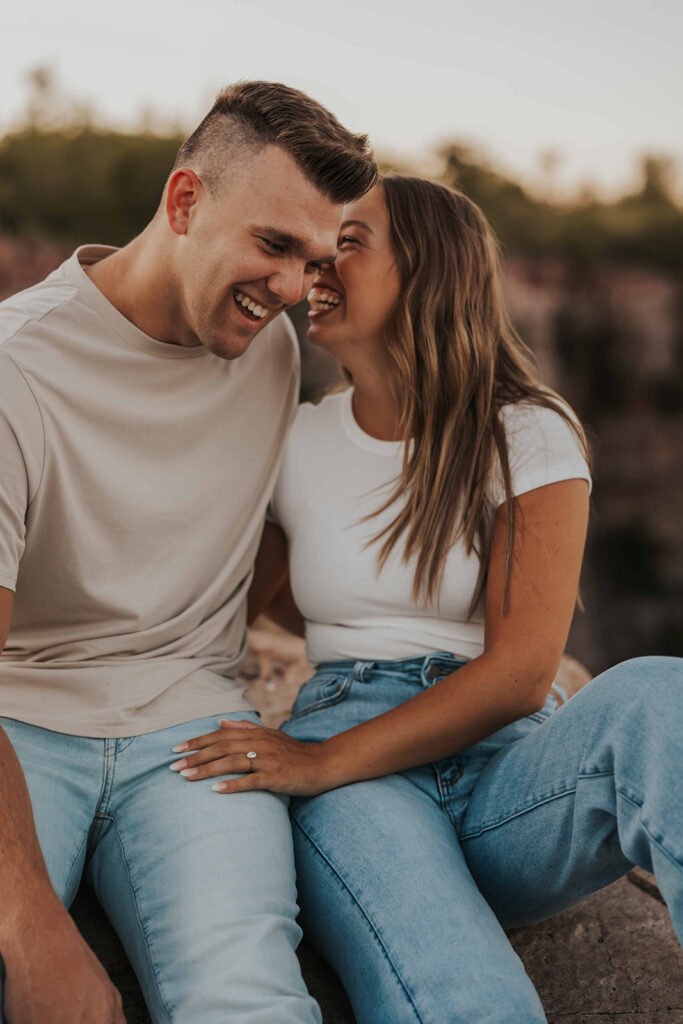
547,798
74,861
489,826
657,841
140,921
556,796
366,918
102,805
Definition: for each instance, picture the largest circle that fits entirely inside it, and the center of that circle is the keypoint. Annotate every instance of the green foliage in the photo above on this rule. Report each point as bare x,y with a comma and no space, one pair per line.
81,182
82,185
644,229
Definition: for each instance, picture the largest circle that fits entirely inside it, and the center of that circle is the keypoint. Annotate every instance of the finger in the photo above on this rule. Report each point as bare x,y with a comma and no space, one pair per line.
231,764
197,742
252,780
230,723
200,742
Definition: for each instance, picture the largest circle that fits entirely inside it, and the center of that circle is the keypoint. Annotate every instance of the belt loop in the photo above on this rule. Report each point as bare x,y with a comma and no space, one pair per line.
361,668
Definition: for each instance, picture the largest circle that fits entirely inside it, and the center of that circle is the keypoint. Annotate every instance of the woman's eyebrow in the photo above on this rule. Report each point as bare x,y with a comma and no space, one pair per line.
360,224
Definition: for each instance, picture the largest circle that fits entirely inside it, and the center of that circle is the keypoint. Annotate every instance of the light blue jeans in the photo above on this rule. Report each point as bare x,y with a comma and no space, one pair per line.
406,882
199,887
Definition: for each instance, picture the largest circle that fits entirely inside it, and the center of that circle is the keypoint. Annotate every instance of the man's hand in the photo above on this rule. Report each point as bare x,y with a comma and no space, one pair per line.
53,977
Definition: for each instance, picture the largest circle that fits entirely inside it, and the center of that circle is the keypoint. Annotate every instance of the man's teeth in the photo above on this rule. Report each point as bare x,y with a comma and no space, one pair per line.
318,299
250,304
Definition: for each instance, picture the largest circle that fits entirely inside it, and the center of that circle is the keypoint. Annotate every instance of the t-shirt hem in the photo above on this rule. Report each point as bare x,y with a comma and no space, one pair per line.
8,580
139,724
544,476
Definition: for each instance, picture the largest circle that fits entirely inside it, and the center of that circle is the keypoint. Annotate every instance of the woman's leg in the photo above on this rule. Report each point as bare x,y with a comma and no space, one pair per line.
387,898
574,804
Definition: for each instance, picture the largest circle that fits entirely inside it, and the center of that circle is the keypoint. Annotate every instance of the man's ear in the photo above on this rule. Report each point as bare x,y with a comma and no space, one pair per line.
183,191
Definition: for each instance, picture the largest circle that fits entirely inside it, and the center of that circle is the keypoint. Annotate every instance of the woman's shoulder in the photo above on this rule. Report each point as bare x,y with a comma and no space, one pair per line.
544,445
540,421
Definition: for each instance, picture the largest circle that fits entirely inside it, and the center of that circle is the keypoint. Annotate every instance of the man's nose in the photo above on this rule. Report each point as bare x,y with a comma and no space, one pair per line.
289,284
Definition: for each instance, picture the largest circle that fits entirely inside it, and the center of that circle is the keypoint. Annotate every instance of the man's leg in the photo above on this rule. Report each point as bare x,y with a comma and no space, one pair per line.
201,890
64,775
574,804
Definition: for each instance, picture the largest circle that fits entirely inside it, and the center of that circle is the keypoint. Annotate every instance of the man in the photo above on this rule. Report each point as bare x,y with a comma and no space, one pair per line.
141,427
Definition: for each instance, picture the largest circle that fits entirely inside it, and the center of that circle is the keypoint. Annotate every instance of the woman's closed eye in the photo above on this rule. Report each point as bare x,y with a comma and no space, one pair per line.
347,240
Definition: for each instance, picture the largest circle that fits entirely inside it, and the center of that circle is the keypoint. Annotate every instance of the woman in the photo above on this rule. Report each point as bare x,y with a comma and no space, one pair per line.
436,515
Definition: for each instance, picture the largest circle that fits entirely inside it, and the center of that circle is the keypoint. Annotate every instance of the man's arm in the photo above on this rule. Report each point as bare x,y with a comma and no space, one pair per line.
52,975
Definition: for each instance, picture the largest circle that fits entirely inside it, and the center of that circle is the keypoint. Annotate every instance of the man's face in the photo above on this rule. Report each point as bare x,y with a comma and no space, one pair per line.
259,241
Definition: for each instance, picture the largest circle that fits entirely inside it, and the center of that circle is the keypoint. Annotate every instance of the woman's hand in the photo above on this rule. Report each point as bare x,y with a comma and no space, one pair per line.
281,764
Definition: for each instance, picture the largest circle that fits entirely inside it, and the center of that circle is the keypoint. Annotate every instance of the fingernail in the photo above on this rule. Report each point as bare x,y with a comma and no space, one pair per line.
189,772
179,749
177,765
218,787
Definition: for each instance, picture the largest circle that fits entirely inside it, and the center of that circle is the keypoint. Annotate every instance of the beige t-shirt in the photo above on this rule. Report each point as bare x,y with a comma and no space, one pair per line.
134,477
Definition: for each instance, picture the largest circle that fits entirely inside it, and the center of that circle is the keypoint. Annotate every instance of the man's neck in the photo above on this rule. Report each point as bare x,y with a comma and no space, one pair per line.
136,282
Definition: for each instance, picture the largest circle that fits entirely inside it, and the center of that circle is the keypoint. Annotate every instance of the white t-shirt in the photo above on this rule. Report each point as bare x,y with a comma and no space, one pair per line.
332,475
134,477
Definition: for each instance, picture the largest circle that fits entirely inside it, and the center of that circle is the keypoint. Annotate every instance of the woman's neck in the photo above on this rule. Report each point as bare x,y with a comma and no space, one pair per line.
374,407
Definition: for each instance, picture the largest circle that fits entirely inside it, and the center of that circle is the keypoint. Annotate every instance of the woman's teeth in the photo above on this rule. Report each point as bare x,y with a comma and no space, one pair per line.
248,303
320,299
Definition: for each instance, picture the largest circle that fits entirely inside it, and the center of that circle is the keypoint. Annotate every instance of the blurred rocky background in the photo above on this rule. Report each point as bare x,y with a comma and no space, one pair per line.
595,287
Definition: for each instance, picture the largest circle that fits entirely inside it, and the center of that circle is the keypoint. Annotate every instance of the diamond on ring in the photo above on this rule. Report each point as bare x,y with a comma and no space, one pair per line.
251,754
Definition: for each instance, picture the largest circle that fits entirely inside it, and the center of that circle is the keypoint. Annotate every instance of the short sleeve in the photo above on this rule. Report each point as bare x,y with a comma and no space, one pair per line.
21,459
542,449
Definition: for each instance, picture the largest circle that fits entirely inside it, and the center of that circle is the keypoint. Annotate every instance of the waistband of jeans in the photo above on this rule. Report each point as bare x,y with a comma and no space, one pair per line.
416,664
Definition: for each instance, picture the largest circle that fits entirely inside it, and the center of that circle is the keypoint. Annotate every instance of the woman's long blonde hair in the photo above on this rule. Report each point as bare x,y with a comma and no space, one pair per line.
457,362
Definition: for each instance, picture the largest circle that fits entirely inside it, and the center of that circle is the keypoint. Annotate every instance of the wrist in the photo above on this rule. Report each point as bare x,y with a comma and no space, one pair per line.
335,769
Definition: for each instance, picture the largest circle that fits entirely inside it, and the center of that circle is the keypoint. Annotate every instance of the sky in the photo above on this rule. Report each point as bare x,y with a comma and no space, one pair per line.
595,81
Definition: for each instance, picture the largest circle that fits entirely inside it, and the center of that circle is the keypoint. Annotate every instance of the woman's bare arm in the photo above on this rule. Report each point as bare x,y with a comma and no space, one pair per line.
510,679
522,648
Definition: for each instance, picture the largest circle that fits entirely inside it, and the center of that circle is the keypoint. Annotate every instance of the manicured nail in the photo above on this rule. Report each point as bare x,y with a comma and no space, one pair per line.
218,787
177,765
189,772
179,749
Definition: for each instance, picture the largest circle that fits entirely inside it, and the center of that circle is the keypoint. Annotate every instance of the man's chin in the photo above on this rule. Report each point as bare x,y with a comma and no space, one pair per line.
231,347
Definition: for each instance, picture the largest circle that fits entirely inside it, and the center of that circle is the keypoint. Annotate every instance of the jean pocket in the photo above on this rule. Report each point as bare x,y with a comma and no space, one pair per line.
321,691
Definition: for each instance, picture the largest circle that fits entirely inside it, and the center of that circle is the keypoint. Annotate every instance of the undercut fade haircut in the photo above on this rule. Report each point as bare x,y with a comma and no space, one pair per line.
250,115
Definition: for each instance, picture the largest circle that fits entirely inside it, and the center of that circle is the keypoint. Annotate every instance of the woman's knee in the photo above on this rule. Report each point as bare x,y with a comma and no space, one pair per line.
645,678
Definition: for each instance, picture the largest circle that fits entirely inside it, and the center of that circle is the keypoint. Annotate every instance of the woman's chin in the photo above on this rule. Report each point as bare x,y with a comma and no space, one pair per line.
319,332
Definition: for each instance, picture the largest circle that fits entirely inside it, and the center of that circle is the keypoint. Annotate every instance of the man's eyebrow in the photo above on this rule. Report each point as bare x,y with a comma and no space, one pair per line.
293,242
360,224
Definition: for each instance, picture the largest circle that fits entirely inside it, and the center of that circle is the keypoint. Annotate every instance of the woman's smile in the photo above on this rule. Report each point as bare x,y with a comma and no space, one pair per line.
323,300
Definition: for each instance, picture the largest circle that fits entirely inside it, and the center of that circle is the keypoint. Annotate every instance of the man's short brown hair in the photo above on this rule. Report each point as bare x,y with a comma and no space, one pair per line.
249,115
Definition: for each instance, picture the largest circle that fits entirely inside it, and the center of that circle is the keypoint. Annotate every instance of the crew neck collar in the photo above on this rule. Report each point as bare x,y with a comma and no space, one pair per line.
86,255
358,436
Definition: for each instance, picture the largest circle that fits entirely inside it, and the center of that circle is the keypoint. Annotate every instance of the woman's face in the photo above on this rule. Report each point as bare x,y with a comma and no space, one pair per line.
351,301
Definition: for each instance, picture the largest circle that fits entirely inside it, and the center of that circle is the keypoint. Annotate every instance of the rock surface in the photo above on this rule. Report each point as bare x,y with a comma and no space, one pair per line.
614,959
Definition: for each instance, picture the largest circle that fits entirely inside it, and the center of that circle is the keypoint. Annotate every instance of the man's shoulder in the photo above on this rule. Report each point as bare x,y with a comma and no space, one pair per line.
19,312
